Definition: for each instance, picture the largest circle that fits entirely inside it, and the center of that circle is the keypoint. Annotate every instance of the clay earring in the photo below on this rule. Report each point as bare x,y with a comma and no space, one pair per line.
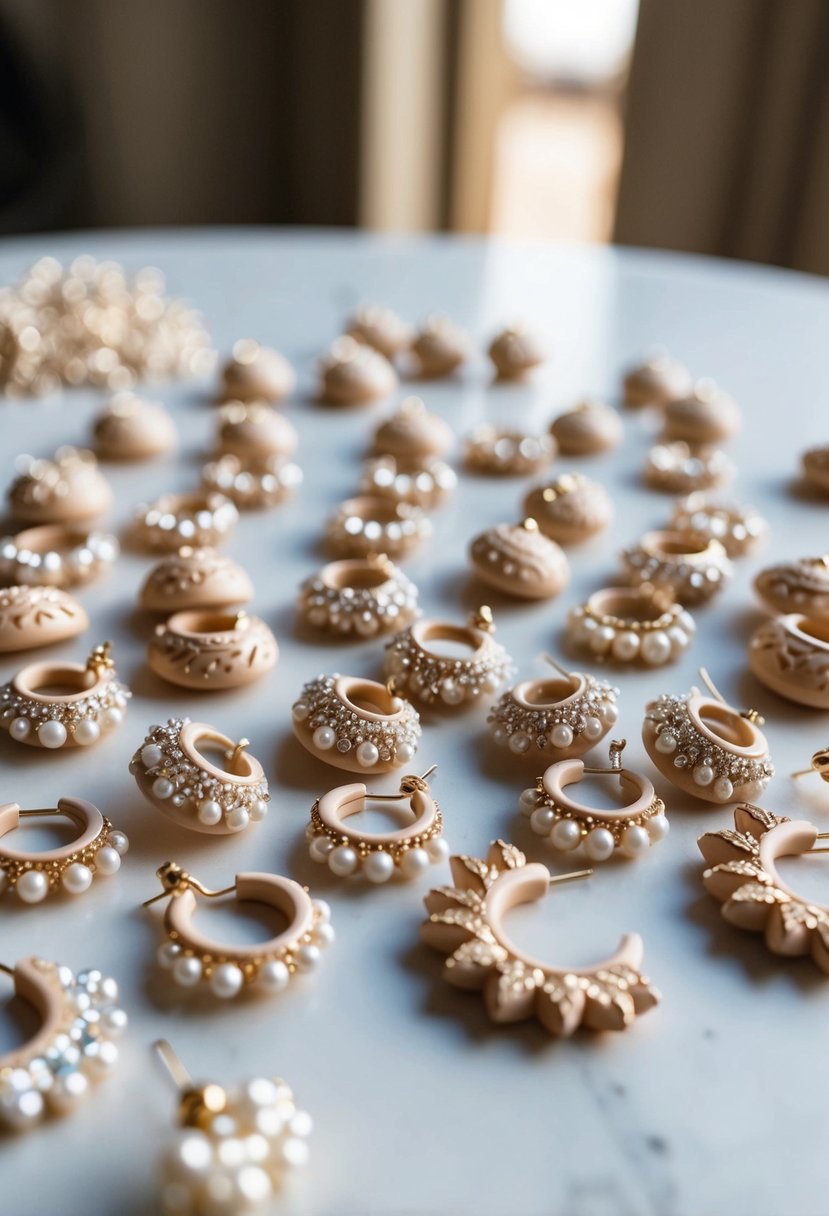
256,373
56,555
130,428
631,829
466,922
515,352
496,451
587,429
352,373
75,1044
708,415
210,649
38,616
790,655
413,433
519,560
705,747
738,529
657,381
377,855
195,578
362,596
234,1147
798,586
643,624
64,490
690,565
439,347
681,468
431,676
570,509
381,328
200,517
356,724
96,850
193,958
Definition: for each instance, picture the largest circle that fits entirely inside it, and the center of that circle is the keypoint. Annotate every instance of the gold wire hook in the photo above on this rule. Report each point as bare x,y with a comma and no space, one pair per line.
198,1104
751,715
408,785
233,755
617,746
818,763
174,880
483,619
556,666
571,877
8,970
30,813
820,836
172,1062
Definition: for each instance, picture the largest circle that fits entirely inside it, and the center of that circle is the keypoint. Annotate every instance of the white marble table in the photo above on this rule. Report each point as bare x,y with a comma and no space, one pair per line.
714,1102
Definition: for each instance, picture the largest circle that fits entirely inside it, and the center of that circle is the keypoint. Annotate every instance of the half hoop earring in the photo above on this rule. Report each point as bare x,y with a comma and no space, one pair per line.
97,849
192,957
377,855
75,1043
466,922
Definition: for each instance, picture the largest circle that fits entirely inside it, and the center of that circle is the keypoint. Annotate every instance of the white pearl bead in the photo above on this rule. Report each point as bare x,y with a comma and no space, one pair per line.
752,789
438,849
658,827
209,812
598,844
162,787
451,693
101,1057
167,953
703,774
527,802
77,878
343,860
323,936
107,860
67,1091
187,971
367,755
610,712
294,1152
190,1156
519,742
301,1124
566,835
687,622
300,711
593,729
320,847
151,755
542,819
86,731
20,1110
237,819
112,716
500,736
324,738
307,957
602,639
226,981
561,736
274,975
665,743
323,910
20,728
635,841
414,862
120,842
656,648
114,1022
32,886
52,734
723,789
378,867
258,810
679,640
404,752
491,682
626,645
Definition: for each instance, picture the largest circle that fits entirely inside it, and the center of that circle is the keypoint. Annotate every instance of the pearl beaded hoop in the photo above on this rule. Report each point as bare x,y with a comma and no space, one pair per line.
356,724
423,483
362,596
370,524
430,676
97,849
630,624
202,517
560,717
56,556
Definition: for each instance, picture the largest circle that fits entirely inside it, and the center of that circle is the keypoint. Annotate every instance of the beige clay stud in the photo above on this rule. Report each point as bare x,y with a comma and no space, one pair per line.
708,415
195,578
658,381
254,429
38,616
439,347
515,352
256,373
130,428
355,374
380,328
64,490
815,464
570,509
413,433
587,429
519,560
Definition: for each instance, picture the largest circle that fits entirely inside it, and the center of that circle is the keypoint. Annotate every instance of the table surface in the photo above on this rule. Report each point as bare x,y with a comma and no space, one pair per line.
713,1102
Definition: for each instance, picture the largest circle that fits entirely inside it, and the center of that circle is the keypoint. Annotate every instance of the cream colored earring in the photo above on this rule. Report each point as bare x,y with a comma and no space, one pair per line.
519,560
466,922
815,464
570,509
496,451
425,673
64,490
130,428
38,616
253,430
194,959
96,850
708,415
422,483
798,586
195,578
739,529
587,429
694,567
370,524
256,373
407,851
356,724
252,482
515,352
439,347
362,596
681,468
75,1043
381,328
352,373
643,624
790,655
658,381
56,555
559,717
233,1147
199,518
211,649
412,432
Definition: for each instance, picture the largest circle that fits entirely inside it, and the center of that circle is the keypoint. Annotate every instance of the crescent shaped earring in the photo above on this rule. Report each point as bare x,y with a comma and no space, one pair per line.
97,850
74,1044
192,957
466,923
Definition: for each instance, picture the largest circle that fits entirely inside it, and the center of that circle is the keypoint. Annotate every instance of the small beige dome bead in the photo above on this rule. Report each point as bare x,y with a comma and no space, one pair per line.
589,428
68,488
708,415
570,509
658,381
254,429
130,428
380,328
256,373
355,374
195,578
439,347
515,352
519,560
413,432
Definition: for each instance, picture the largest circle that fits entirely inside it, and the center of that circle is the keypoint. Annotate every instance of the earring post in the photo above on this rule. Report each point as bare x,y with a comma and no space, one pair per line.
572,877
169,1058
556,666
7,970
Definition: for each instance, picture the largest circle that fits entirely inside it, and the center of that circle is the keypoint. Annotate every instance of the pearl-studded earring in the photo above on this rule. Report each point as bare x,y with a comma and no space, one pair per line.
96,850
233,1148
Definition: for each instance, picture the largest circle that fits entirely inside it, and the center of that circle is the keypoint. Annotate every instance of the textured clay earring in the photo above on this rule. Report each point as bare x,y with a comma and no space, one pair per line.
426,483
520,560
352,373
68,719
129,428
515,352
439,347
381,328
173,772
370,524
212,649
694,567
38,616
233,1147
466,922
356,724
815,465
195,578
790,655
193,958
362,596
74,1045
705,747
254,482
631,829
407,851
708,415
96,850
64,490
681,468
739,529
431,676
589,428
744,878
201,517
56,555
798,586
412,432
570,509
254,431
256,373
496,451
657,381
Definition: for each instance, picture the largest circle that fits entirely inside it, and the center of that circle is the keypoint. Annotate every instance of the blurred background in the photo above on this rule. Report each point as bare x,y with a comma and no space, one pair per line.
698,125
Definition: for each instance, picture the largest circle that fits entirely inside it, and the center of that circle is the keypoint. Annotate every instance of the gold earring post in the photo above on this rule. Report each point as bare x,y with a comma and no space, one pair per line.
173,1064
233,755
8,970
617,746
556,666
572,877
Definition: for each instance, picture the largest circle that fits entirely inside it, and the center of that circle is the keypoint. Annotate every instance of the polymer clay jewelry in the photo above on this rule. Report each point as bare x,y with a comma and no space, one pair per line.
466,922
353,373
200,517
587,429
681,468
363,596
738,529
515,352
217,796
431,674
705,747
570,509
414,433
233,1148
632,624
256,373
376,856
38,616
96,850
195,578
439,347
815,465
254,429
519,560
423,483
743,877
798,586
567,823
64,719
56,555
497,451
193,958
707,415
656,382
209,649
370,524
356,724
694,567
790,655
254,482
64,490
559,717
130,428
75,1043
381,328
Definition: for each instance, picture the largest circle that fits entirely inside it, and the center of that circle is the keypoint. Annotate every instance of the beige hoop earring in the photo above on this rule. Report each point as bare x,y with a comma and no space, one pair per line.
51,1073
431,676
63,490
790,655
681,468
212,649
421,483
631,829
363,596
798,586
466,922
69,719
174,775
643,624
370,524
560,717
495,451
356,724
199,518
377,855
693,567
195,578
97,849
193,958
38,616
56,555
744,878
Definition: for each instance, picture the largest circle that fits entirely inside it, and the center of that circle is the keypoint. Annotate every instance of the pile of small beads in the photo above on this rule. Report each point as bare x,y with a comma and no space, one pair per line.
335,725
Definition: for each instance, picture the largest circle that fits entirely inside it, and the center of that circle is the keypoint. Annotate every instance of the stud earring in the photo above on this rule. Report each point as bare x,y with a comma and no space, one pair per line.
233,1148
743,877
413,433
195,578
656,382
254,431
80,1021
519,560
515,352
352,373
570,509
790,655
130,428
209,649
192,958
631,829
38,616
256,373
356,724
439,347
377,855
96,850
465,922
708,415
587,429
705,747
64,490
431,676
381,328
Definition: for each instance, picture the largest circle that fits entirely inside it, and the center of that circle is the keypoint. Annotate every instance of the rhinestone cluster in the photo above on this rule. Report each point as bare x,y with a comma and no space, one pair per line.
693,577
63,723
521,728
186,519
433,677
335,724
32,881
84,556
425,483
176,777
681,468
253,482
365,611
677,736
490,449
